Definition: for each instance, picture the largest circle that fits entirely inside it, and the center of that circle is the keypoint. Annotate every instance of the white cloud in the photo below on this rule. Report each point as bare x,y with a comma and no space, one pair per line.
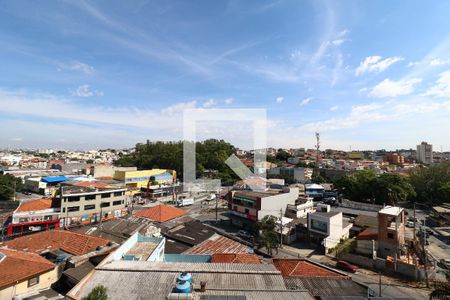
439,62
17,139
375,112
413,63
334,108
442,87
279,99
305,101
376,64
390,88
179,107
209,103
77,66
85,91
229,101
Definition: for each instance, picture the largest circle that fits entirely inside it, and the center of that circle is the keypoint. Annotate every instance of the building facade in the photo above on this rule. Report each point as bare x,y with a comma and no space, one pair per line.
425,153
82,205
248,207
391,231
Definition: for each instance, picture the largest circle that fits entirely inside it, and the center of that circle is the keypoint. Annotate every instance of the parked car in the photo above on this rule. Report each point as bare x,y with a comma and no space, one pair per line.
410,224
244,235
25,192
343,265
445,263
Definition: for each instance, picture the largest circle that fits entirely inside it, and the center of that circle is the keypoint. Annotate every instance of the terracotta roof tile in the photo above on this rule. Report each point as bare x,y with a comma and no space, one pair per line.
368,234
305,268
68,241
236,258
218,244
94,184
18,265
161,213
39,204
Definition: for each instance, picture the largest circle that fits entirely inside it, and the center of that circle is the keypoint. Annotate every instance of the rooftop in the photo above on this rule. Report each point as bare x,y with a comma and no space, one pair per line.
253,195
161,213
158,279
35,205
305,268
68,241
239,258
218,244
391,210
190,233
368,234
16,266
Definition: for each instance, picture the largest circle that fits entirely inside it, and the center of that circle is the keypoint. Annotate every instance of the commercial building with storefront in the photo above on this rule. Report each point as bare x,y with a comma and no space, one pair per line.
134,180
248,207
84,205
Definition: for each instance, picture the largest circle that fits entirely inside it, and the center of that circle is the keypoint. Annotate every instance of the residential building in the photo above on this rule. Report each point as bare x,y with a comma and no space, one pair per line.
302,207
91,204
248,207
299,175
314,190
24,272
321,281
367,242
425,153
394,158
185,235
327,228
391,231
236,258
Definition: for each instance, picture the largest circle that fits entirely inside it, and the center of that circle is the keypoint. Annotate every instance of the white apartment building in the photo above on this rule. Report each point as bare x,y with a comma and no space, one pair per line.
327,227
425,153
302,207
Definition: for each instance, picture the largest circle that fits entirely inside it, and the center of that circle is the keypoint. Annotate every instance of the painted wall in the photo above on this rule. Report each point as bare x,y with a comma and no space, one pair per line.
45,281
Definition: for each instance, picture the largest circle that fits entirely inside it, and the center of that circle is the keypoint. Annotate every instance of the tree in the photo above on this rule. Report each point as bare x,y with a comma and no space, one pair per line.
367,186
267,236
282,155
431,184
7,185
97,293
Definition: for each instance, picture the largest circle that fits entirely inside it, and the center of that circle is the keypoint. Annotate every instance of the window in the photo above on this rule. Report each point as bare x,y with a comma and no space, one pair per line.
89,197
390,236
118,194
117,203
105,204
73,208
33,281
73,198
64,209
106,195
247,211
318,225
90,206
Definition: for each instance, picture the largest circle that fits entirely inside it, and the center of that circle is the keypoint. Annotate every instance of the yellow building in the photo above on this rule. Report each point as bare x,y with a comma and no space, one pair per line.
355,155
23,272
138,179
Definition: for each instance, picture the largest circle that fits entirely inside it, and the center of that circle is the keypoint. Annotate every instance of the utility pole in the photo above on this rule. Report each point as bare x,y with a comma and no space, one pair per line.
414,234
217,207
425,258
14,190
316,172
281,228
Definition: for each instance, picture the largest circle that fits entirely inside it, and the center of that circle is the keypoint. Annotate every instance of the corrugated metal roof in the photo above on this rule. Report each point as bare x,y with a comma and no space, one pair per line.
150,280
326,287
258,295
218,244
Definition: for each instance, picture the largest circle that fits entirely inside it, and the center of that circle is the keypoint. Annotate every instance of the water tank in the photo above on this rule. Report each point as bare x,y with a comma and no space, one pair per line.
183,287
184,277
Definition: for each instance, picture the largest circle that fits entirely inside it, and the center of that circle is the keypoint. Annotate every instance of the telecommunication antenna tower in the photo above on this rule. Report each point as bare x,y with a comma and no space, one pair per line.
317,151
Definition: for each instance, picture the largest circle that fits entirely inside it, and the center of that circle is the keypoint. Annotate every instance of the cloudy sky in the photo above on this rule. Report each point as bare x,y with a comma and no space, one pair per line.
95,74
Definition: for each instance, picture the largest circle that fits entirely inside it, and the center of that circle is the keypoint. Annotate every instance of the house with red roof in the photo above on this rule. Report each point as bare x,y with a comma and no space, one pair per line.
321,281
23,272
161,213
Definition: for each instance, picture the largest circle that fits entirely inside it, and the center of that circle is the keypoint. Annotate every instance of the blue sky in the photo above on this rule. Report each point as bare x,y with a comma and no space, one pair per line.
95,74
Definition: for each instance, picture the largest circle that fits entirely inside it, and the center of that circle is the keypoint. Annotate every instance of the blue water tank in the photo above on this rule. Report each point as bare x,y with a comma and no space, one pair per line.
184,277
183,287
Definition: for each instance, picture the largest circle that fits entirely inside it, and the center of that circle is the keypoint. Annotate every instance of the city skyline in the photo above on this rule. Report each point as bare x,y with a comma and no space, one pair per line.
99,74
